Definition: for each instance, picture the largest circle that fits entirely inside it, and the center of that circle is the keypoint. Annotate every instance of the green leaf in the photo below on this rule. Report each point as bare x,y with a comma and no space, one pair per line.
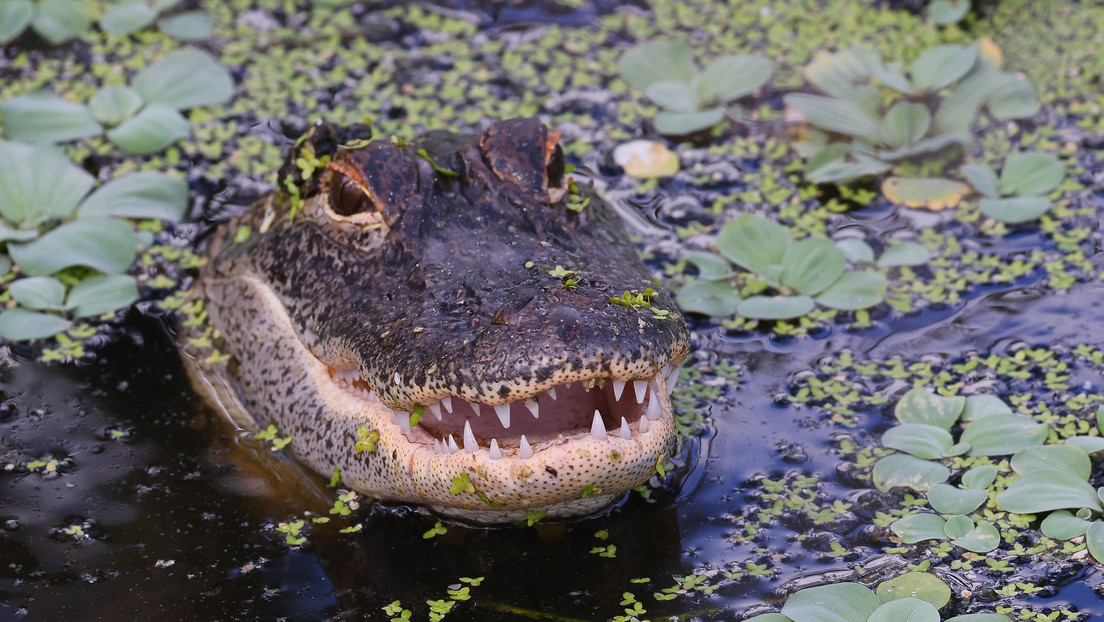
856,250
184,79
982,178
1094,537
710,265
655,61
978,406
811,265
127,17
58,20
958,526
854,290
907,471
947,12
43,117
1013,99
979,477
141,195
928,145
905,123
839,75
1031,174
919,527
731,77
19,235
150,131
904,254
769,617
947,499
15,15
188,26
905,610
753,242
1043,491
959,109
921,440
840,602
1072,460
931,192
672,123
997,435
775,307
1063,525
673,95
940,66
100,294
920,406
112,105
21,325
39,293
713,298
106,244
38,183
982,539
1015,210
1091,444
980,617
922,585
841,170
836,115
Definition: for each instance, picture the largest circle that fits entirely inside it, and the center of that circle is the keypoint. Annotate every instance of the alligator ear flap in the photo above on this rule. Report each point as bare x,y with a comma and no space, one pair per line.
526,153
351,198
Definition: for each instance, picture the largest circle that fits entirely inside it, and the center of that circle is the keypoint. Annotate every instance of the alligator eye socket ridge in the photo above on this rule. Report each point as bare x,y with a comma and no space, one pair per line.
347,198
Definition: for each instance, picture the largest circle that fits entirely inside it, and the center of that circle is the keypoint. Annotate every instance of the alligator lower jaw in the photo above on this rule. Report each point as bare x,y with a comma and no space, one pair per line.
598,409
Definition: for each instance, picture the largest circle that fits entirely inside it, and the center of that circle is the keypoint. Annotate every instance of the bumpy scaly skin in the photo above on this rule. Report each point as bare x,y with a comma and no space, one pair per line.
438,288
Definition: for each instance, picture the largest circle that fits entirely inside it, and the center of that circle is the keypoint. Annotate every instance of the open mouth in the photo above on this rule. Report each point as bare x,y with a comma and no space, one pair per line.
600,407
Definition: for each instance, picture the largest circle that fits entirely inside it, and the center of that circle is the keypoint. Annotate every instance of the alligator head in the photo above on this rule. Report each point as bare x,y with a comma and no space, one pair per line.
451,323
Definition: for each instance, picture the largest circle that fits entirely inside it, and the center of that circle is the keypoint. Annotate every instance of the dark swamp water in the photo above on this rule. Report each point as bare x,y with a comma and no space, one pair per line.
153,509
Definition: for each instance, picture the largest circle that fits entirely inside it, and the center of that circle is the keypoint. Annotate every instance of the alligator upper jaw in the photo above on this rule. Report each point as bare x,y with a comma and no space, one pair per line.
598,407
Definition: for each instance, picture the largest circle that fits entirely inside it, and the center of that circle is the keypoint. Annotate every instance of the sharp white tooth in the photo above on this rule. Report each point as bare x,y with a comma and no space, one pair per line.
672,379
625,433
435,408
644,427
397,379
496,453
503,412
452,445
654,411
446,402
533,407
618,389
525,451
640,388
597,428
552,392
469,439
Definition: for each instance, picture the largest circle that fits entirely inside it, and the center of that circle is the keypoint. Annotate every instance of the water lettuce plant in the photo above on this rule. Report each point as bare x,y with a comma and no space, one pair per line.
692,99
55,21
72,244
947,12
923,438
1054,479
873,114
800,273
913,596
1017,195
133,15
141,118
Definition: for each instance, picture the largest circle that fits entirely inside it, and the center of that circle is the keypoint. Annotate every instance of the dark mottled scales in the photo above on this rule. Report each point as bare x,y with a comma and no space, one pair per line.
417,276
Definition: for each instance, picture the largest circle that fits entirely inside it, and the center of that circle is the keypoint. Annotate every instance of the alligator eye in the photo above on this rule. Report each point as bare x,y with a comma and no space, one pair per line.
556,168
347,198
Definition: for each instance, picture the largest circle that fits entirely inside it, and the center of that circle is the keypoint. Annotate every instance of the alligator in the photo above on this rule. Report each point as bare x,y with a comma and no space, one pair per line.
455,323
